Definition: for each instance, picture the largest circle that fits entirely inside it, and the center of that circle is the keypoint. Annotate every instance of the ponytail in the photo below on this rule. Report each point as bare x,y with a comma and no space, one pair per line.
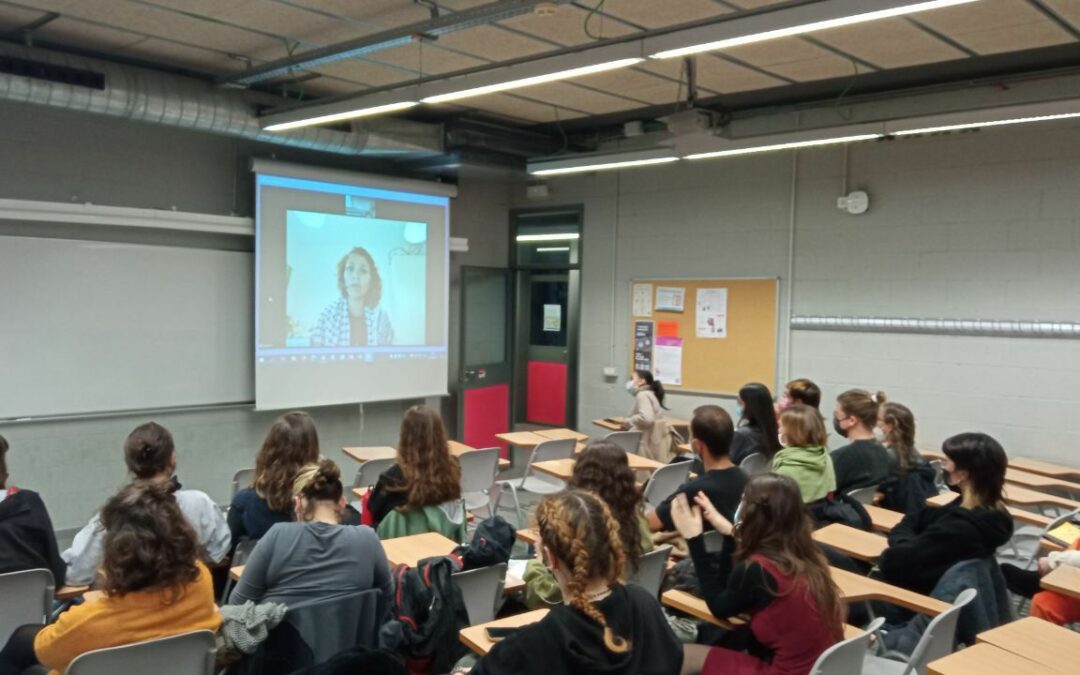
654,385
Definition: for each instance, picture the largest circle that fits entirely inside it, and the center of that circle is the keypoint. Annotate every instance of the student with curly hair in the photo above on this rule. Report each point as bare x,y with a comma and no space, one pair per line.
601,468
603,626
150,454
154,584
316,556
291,443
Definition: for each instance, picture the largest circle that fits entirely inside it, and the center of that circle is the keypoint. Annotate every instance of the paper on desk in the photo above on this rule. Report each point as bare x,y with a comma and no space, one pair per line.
516,568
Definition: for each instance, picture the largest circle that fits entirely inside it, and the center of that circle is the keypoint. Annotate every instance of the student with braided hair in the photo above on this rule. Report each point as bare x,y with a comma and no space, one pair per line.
603,626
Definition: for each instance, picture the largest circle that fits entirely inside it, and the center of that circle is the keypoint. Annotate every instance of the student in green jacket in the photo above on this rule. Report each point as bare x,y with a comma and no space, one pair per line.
804,456
602,469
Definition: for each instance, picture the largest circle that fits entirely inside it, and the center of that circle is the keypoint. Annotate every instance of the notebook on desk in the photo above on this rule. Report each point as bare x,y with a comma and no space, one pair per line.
1065,533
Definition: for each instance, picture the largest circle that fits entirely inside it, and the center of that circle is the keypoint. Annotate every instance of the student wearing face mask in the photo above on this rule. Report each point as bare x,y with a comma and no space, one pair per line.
912,479
756,430
802,391
927,543
804,457
647,416
863,462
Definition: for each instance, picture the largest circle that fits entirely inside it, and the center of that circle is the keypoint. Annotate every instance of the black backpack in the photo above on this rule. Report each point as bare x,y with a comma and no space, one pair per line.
427,614
839,508
908,493
491,544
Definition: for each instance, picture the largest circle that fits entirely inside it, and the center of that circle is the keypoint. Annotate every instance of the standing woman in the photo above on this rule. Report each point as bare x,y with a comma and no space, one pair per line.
756,430
647,416
776,574
356,319
291,443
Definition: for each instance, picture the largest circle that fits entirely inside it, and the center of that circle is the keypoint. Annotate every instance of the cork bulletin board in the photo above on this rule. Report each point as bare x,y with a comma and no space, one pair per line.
724,336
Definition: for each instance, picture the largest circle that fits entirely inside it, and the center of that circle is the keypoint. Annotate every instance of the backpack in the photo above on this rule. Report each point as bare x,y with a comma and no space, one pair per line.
839,508
491,544
428,611
908,493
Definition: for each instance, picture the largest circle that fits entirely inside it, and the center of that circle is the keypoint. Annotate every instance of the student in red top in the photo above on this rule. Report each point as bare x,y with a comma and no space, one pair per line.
775,574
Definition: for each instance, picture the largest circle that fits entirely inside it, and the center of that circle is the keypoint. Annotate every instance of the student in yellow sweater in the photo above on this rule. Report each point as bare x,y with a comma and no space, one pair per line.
154,584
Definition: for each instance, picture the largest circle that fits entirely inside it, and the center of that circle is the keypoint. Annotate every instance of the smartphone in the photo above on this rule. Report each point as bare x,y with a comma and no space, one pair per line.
498,633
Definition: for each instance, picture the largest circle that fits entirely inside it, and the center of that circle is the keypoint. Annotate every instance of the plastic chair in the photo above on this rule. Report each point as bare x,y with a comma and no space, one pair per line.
242,479
536,482
650,571
630,441
864,495
665,481
713,540
937,642
754,463
478,471
25,597
939,475
185,654
243,550
1025,547
367,474
846,657
482,591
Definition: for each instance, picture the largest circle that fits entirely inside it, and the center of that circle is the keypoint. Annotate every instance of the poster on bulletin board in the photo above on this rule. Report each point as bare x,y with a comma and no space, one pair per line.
643,345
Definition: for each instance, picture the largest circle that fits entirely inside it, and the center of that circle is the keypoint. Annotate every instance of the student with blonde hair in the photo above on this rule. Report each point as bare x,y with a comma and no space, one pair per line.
603,626
804,457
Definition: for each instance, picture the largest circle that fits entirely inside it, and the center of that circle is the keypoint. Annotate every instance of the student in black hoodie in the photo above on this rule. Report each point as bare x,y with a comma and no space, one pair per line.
27,539
928,542
603,627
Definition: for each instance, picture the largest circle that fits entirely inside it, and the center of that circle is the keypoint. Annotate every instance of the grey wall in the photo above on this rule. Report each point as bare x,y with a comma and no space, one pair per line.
56,156
975,225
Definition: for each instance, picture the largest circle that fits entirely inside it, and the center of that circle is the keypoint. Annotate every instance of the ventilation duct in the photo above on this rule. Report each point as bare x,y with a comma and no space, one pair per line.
971,327
143,95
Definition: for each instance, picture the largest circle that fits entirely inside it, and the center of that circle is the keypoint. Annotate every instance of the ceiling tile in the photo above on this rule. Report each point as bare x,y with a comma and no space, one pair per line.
76,33
754,4
567,26
564,94
12,18
183,56
365,72
652,14
892,43
425,59
996,26
378,14
492,43
1068,9
793,58
635,84
521,109
726,77
264,15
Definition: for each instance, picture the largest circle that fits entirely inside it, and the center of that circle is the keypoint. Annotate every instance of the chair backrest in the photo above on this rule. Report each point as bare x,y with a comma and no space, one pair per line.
650,571
562,448
478,469
713,541
481,589
939,638
754,463
629,441
665,481
242,479
25,597
368,473
864,495
185,654
847,656
939,475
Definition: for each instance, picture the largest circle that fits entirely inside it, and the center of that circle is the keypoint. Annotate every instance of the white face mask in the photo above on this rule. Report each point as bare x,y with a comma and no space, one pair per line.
630,386
879,435
780,437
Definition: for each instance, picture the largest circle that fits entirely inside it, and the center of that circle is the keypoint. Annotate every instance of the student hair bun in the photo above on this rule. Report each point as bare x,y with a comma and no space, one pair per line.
879,398
319,482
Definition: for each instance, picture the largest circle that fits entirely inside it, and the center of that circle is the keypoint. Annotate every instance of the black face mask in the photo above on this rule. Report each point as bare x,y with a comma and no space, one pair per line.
837,427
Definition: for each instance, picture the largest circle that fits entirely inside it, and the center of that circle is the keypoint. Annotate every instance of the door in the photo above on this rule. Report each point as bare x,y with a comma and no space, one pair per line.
486,368
547,322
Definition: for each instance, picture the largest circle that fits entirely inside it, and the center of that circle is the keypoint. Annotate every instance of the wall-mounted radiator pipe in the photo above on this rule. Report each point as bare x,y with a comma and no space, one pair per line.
972,327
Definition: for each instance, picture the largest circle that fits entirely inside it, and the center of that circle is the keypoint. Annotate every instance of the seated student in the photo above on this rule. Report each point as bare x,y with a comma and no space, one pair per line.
149,453
154,583
291,443
601,468
425,474
647,416
776,574
27,538
1046,605
863,462
603,626
802,391
316,556
756,431
710,437
804,458
896,430
928,542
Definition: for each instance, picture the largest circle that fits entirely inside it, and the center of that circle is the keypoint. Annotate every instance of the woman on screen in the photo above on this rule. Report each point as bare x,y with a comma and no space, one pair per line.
356,319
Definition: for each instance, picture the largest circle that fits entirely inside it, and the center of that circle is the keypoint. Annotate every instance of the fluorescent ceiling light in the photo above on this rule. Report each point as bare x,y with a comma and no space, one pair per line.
810,27
604,166
530,81
347,115
991,123
552,249
551,236
783,146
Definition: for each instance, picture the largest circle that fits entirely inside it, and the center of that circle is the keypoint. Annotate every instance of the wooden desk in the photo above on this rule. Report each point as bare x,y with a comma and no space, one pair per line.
695,607
985,659
236,572
562,434
458,449
529,535
856,543
560,468
856,588
610,426
475,637
1027,517
1039,482
1045,468
884,520
1065,580
370,453
522,439
69,592
1040,641
1016,495
416,547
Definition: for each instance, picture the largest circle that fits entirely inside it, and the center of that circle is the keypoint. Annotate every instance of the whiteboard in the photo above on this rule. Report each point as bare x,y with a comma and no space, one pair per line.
90,326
